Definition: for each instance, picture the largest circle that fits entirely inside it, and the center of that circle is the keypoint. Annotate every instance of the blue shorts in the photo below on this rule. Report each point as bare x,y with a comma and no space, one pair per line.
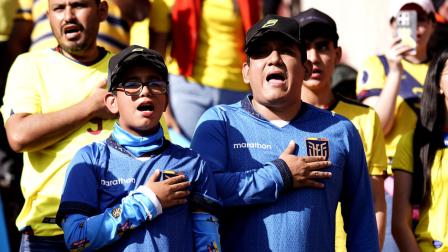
188,100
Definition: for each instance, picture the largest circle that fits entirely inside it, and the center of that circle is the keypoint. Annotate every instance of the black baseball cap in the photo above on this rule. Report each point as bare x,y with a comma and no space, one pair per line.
313,21
131,54
287,27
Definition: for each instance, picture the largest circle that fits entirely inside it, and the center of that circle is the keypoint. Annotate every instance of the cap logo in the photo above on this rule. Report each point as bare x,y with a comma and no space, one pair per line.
269,23
137,50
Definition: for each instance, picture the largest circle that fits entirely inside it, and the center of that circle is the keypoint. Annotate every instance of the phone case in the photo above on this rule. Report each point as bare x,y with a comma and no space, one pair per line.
168,174
407,28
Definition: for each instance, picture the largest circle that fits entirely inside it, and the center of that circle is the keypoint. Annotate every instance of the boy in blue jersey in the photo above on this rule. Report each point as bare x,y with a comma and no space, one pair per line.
114,189
244,145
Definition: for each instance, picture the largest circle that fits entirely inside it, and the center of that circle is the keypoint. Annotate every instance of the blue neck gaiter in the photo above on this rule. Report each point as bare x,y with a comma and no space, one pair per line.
137,145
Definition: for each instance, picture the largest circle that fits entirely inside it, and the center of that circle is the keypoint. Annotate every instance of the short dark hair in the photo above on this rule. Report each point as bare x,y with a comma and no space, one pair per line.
315,24
313,31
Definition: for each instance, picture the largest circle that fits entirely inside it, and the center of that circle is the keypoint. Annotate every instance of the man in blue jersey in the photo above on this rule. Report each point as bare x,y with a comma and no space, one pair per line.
116,207
244,143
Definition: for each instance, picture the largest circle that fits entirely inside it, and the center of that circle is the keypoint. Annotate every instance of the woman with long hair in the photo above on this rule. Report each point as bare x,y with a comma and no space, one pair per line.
420,168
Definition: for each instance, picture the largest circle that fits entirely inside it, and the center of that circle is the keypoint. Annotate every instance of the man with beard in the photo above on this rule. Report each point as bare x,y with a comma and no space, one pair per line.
53,105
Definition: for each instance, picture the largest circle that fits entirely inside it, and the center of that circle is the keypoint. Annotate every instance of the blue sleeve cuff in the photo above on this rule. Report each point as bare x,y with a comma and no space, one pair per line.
150,207
284,172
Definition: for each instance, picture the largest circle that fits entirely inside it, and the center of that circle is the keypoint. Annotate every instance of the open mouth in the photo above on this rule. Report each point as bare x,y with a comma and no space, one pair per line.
146,107
276,76
71,30
316,72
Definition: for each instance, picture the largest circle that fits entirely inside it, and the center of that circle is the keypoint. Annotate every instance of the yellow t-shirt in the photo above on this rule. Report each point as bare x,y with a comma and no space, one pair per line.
432,228
34,87
368,125
220,53
371,81
113,34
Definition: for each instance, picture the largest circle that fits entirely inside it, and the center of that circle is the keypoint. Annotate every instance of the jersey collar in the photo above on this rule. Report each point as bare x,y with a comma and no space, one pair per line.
246,104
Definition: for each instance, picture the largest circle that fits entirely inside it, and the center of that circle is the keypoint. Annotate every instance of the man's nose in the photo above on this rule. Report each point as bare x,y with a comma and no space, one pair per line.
312,55
275,57
69,14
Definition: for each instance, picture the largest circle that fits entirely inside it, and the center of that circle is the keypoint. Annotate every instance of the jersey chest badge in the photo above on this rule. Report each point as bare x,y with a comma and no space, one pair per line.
317,147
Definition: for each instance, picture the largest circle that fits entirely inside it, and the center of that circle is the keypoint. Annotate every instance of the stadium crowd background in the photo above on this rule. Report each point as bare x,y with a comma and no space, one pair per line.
363,28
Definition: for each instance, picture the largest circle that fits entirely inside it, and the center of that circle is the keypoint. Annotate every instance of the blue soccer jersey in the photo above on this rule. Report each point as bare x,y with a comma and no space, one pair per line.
100,180
262,212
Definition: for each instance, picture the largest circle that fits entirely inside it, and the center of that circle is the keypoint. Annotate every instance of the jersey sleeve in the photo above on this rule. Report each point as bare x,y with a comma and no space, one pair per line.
356,199
370,79
159,15
76,198
21,93
377,161
205,230
205,196
403,159
94,232
84,225
255,185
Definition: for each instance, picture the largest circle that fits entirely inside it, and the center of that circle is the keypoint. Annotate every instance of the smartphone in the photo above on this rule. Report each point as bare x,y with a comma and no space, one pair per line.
168,174
407,28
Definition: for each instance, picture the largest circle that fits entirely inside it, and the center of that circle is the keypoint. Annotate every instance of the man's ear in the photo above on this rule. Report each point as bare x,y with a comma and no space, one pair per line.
308,69
103,10
111,102
167,101
338,55
245,72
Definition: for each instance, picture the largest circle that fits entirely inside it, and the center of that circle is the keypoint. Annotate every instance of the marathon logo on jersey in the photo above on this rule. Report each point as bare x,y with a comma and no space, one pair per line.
317,147
252,146
119,181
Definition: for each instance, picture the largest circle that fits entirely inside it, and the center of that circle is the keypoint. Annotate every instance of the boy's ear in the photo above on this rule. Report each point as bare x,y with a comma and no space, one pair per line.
111,102
338,54
245,72
167,101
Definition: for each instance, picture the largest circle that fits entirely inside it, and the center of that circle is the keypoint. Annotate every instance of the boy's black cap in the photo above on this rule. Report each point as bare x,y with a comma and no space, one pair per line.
285,26
130,54
316,18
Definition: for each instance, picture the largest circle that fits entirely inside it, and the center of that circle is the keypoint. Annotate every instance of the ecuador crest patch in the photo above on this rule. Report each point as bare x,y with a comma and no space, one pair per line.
317,147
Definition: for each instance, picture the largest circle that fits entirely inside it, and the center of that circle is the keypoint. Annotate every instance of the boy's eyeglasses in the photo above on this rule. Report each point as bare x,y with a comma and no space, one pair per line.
134,88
